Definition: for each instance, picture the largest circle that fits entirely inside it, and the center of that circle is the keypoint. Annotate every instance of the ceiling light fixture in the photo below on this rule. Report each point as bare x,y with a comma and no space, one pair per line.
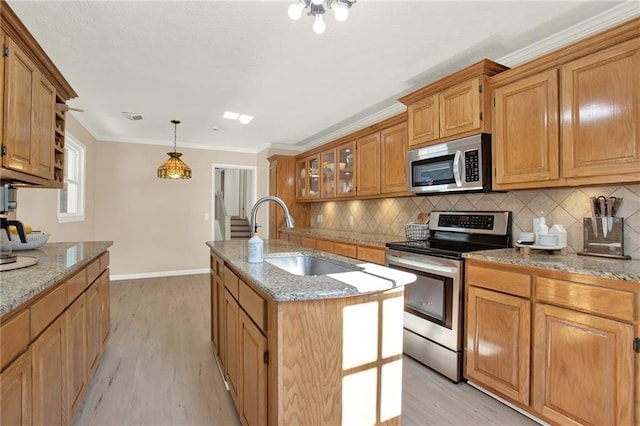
242,118
174,167
317,8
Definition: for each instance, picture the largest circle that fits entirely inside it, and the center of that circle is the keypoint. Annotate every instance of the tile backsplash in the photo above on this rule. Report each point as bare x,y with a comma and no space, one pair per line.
565,206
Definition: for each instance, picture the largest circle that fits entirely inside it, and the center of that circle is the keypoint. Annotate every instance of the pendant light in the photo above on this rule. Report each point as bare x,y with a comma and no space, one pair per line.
174,167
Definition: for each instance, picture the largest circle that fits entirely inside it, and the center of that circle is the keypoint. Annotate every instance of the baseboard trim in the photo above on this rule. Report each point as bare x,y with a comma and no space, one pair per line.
120,277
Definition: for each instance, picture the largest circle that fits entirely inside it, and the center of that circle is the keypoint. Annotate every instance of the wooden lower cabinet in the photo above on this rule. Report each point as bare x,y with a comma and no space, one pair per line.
93,328
253,376
49,353
104,290
15,392
583,367
231,367
559,345
498,342
76,353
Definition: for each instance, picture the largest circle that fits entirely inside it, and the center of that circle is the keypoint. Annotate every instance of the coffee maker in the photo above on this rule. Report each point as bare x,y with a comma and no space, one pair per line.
8,203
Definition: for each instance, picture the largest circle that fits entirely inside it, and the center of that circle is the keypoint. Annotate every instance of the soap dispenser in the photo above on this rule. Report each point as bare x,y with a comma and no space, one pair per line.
256,249
540,227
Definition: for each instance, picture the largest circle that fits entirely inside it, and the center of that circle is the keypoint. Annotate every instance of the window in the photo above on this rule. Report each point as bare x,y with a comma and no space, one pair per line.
71,196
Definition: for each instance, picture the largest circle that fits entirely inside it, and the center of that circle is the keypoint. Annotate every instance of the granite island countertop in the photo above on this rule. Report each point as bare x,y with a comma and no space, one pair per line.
283,286
56,262
626,270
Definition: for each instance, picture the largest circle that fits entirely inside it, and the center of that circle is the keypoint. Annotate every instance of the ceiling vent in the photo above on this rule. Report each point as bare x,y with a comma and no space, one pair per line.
132,115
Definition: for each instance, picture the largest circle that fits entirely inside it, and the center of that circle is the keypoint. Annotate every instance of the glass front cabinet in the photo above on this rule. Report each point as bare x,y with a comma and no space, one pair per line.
346,185
328,177
308,178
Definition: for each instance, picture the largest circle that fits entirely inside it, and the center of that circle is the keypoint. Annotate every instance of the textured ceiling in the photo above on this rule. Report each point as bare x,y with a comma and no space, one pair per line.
193,60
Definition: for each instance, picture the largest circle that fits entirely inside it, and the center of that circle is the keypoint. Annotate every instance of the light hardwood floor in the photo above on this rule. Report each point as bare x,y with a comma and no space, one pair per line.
159,368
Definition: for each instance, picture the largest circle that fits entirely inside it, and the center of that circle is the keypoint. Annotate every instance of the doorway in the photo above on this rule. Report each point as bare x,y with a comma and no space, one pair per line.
234,192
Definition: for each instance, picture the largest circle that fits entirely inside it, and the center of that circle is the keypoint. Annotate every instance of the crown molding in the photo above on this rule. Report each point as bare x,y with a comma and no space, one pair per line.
579,31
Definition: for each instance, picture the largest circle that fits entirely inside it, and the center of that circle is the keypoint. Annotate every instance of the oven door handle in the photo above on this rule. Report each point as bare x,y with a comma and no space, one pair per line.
425,267
457,168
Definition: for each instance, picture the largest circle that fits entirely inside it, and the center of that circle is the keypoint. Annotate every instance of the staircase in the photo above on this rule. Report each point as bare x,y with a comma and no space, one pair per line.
240,228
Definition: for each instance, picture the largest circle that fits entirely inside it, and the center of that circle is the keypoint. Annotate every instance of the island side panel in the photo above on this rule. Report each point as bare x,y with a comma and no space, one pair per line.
321,364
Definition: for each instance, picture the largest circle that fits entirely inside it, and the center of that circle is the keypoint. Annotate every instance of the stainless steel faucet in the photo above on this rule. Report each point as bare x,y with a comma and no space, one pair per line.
254,212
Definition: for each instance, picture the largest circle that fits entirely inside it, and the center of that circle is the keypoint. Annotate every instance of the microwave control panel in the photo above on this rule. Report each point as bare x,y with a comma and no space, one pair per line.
471,166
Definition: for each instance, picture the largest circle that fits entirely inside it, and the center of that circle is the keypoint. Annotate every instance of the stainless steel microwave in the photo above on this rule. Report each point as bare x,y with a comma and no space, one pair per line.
461,165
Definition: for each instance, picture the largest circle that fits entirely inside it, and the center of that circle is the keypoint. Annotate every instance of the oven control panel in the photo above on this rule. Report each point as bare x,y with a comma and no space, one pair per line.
480,222
466,221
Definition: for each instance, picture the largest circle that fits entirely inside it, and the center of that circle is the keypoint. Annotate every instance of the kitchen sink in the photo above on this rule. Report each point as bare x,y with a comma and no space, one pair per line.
308,265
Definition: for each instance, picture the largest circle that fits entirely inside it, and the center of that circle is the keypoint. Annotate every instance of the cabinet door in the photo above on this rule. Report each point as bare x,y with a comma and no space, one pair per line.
21,77
49,364
583,368
15,392
498,341
94,341
460,108
347,170
253,346
231,315
526,132
368,160
301,179
44,128
2,100
601,112
215,321
105,309
313,177
393,147
328,175
424,120
76,353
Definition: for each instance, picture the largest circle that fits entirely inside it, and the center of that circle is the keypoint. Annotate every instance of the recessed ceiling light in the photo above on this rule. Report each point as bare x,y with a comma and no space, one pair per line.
245,119
132,115
231,115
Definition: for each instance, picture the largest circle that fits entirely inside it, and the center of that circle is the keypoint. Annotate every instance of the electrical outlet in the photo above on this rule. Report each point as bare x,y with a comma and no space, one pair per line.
351,220
206,216
319,218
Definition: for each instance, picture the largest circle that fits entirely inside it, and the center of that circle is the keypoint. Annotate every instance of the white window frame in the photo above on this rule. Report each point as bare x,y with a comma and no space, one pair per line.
79,179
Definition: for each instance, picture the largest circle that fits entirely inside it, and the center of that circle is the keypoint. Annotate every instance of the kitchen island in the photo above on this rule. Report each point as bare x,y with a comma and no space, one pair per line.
54,327
315,349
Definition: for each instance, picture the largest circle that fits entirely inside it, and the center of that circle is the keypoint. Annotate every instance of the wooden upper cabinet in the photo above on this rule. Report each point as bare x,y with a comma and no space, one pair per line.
393,149
601,113
583,368
21,81
368,160
328,174
526,131
282,185
347,168
308,178
424,120
460,108
44,123
457,105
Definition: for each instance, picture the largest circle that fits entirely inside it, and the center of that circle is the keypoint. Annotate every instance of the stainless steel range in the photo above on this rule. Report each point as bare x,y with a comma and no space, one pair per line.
433,312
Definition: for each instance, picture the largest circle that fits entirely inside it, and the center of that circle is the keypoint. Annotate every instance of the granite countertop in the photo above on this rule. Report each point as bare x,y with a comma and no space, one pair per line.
56,262
355,237
283,286
626,270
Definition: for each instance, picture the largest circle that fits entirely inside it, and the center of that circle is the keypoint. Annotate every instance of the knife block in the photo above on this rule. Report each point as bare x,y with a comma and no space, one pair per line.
595,241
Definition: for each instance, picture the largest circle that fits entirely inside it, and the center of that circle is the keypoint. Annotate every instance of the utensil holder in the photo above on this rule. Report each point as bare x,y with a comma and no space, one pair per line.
604,237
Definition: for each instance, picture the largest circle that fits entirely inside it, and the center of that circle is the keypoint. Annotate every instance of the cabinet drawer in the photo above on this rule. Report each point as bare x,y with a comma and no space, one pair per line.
104,261
93,271
308,242
295,239
14,337
324,245
372,254
47,309
607,302
345,249
76,285
231,282
508,282
253,305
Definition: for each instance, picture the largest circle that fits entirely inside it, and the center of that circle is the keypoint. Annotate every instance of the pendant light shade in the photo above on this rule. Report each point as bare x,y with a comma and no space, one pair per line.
174,167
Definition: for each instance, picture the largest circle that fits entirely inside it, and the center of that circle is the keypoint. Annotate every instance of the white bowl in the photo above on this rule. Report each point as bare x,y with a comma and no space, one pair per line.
548,240
526,237
34,240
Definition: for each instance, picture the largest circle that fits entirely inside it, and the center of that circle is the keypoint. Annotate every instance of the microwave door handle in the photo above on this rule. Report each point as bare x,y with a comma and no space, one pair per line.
457,168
